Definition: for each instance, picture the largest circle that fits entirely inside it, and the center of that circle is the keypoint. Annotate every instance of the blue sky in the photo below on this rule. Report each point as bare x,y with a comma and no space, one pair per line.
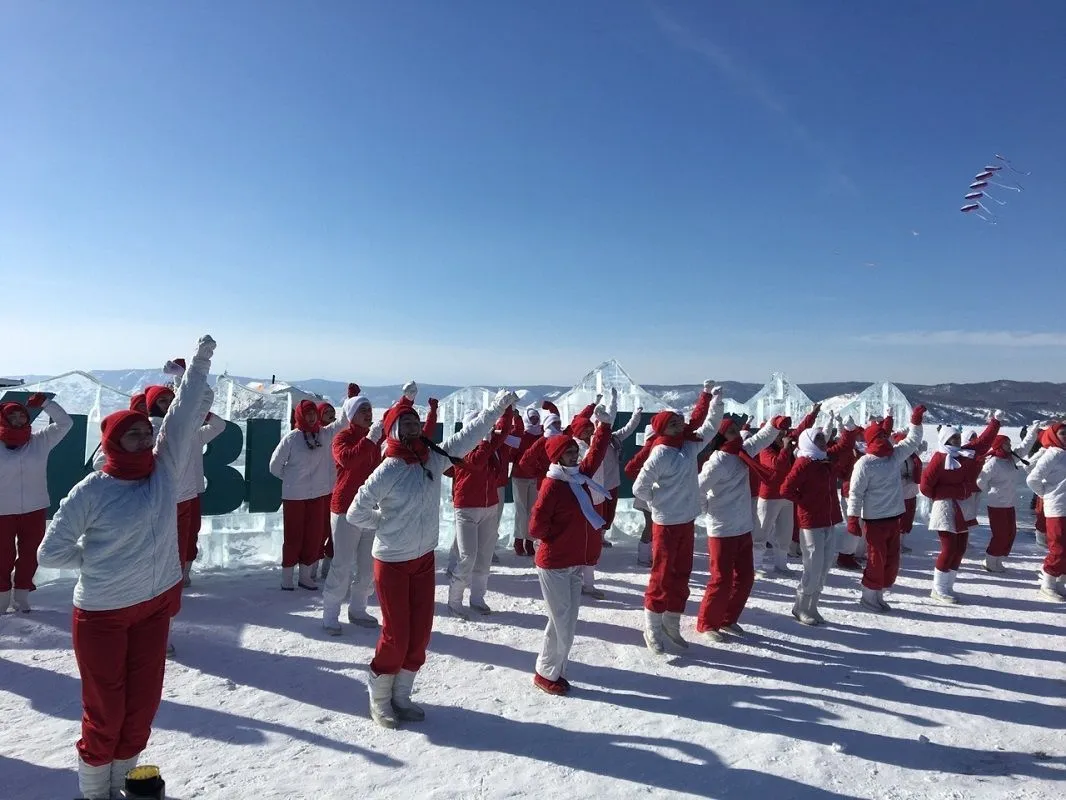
502,191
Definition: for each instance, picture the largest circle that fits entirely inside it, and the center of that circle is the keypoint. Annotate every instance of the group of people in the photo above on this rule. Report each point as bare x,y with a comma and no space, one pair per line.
361,510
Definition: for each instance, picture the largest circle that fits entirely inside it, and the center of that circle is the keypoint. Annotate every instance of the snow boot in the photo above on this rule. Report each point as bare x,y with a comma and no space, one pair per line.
119,768
881,600
643,554
479,586
1051,587
735,629
286,579
530,550
331,619
381,709
357,615
186,568
21,601
812,609
653,631
94,783
557,688
306,579
715,635
405,710
868,600
994,564
801,610
849,562
672,628
5,601
942,584
456,591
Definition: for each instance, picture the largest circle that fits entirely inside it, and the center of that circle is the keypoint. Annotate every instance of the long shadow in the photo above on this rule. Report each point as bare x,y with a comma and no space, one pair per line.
28,781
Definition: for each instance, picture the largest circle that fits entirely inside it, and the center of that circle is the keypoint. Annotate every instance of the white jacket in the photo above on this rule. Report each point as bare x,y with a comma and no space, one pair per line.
306,473
998,482
400,502
123,535
876,488
669,481
910,486
24,471
192,482
609,474
725,487
1047,478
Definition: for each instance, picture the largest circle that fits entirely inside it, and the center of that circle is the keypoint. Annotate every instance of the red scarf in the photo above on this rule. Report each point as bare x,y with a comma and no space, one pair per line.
301,412
1050,436
10,435
120,463
735,447
415,453
1001,448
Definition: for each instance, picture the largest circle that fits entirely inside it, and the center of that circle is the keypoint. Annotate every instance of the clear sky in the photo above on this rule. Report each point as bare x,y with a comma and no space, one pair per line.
503,191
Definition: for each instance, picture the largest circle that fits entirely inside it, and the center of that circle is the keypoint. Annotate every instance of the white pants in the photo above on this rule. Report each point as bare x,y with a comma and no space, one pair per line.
476,531
562,597
525,495
775,522
352,570
819,547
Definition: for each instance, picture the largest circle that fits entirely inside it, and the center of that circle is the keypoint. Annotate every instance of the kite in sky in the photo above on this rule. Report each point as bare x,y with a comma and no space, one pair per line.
990,177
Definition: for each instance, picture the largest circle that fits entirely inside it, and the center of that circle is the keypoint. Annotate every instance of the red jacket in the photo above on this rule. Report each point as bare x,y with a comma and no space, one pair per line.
938,483
356,456
567,539
778,462
527,441
812,486
475,481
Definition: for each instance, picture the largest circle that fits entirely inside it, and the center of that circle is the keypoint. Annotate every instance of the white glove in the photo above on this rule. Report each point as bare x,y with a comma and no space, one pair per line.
708,385
716,392
205,348
170,368
377,430
410,390
849,424
600,415
997,415
504,398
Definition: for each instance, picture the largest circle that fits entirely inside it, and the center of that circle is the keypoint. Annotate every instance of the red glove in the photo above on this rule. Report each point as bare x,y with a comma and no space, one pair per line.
433,401
36,400
353,389
853,526
917,415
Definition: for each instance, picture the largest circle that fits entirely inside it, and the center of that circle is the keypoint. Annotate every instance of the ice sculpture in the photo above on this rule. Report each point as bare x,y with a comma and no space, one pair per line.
873,401
608,375
80,393
451,409
779,397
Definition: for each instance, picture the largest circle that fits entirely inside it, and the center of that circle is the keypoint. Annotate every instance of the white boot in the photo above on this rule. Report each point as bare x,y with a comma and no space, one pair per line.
5,601
401,698
588,583
119,768
380,688
306,579
994,564
653,631
286,579
801,610
942,583
812,609
331,618
672,628
643,554
326,564
94,783
881,600
869,600
479,586
1051,587
456,591
22,600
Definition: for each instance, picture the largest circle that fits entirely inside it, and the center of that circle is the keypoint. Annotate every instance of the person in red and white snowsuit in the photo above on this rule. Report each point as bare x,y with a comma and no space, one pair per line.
565,522
811,485
669,483
609,475
725,496
303,460
911,474
876,498
400,504
524,482
24,499
356,454
950,480
998,482
119,529
848,543
476,499
1047,479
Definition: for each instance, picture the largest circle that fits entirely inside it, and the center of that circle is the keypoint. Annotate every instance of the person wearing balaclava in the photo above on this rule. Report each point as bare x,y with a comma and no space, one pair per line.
118,528
400,504
669,483
725,497
949,480
475,498
565,521
998,482
303,461
609,475
1047,479
875,505
356,454
811,485
409,393
24,499
524,481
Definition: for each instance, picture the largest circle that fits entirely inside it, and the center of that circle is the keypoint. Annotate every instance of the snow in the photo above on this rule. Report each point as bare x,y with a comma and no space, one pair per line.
928,702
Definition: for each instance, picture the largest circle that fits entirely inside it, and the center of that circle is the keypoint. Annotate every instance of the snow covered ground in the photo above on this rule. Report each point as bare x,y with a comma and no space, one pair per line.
929,702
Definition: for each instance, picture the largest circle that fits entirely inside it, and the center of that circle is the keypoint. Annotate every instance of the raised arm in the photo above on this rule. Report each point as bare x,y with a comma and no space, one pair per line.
809,420
211,429
465,440
760,440
703,405
430,426
630,427
177,434
601,440
60,424
1030,439
983,443
913,439
714,417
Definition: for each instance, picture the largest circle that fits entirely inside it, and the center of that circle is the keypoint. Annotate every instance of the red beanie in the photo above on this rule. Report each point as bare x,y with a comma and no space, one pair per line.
392,416
661,420
579,425
10,435
781,423
301,413
555,446
152,394
321,408
139,403
871,433
119,463
1050,436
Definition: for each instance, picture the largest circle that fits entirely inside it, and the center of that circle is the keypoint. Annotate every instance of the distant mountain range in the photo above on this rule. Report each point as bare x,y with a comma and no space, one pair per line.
958,403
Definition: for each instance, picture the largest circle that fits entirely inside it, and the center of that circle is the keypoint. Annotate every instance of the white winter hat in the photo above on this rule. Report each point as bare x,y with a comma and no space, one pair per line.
550,420
353,404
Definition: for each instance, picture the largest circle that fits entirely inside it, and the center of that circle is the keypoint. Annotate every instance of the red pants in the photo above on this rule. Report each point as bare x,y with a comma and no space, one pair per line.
1004,525
732,576
188,529
1055,563
405,596
882,553
952,549
121,656
20,536
306,522
1041,520
906,522
671,567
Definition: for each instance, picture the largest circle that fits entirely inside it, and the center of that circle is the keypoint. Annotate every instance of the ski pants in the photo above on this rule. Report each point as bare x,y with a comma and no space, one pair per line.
671,567
1004,525
405,594
351,575
20,536
562,598
306,522
732,577
882,553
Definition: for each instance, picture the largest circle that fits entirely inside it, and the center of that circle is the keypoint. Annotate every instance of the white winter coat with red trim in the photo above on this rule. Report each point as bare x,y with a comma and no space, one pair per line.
876,487
1048,480
998,482
725,487
24,471
306,472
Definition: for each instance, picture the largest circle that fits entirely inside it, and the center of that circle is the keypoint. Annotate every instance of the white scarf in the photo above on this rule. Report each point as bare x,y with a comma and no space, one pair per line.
951,453
808,449
576,478
534,430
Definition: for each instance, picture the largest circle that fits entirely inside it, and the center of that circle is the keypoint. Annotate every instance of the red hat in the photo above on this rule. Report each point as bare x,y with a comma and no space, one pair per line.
661,420
1050,436
579,425
139,403
9,434
392,416
321,408
872,432
301,414
152,394
781,423
119,463
725,425
555,446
